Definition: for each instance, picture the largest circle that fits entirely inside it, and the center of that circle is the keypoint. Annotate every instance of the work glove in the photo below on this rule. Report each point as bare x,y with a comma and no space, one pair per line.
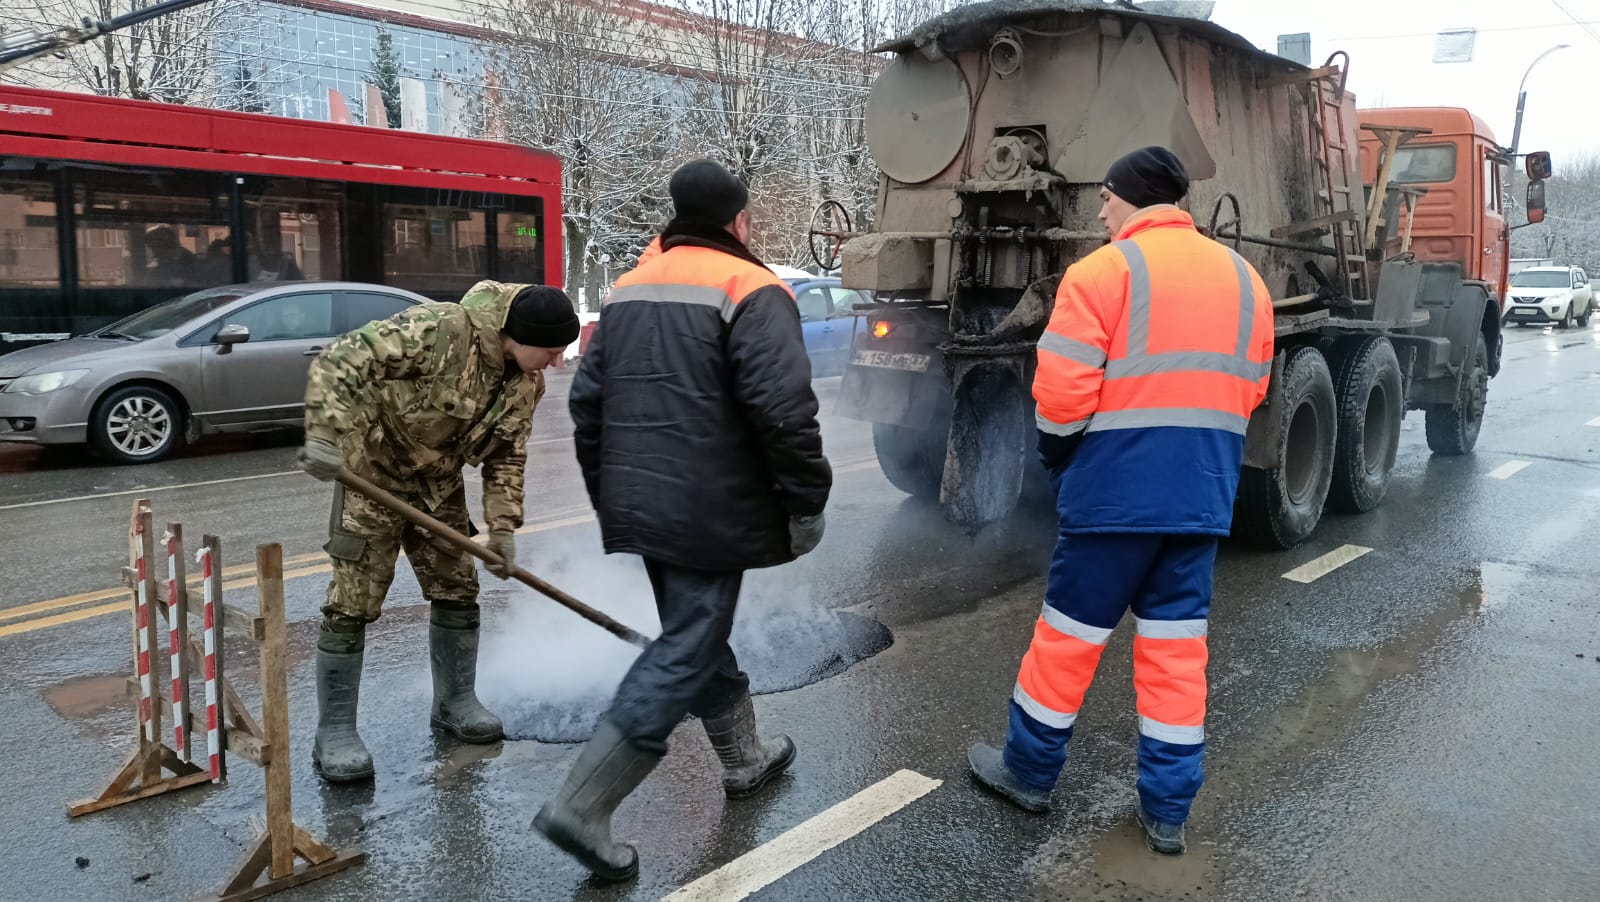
503,543
320,458
804,534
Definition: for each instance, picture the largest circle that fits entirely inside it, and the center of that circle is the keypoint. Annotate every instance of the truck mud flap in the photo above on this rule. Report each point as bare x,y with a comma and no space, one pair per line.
989,433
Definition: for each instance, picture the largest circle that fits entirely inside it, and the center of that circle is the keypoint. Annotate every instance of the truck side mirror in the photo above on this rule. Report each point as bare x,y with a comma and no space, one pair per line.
1536,201
1537,165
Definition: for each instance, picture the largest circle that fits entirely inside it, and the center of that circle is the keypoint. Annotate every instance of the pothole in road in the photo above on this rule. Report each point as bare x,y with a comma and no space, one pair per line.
555,688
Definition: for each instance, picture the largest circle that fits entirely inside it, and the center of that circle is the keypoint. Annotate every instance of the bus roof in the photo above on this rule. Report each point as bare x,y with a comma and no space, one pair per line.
1444,120
62,125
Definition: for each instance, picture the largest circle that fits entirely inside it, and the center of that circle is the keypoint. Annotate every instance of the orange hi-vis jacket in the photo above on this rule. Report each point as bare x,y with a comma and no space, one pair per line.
1159,348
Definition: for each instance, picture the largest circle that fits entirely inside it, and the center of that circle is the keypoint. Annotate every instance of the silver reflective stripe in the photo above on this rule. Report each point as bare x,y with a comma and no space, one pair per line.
1039,712
1061,623
698,295
1072,349
1187,361
1247,305
1151,417
1138,298
1170,629
1166,732
1046,424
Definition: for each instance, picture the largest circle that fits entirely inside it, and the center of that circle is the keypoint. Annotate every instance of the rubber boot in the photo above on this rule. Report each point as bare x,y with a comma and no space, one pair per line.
456,709
339,754
1161,837
989,767
748,763
578,820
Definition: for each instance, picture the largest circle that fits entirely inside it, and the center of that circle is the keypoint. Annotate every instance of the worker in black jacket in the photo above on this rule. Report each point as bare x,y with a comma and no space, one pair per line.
696,428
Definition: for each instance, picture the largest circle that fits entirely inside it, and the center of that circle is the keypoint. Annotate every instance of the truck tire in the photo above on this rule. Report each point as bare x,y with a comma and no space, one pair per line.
1371,401
911,459
136,424
1279,507
1453,430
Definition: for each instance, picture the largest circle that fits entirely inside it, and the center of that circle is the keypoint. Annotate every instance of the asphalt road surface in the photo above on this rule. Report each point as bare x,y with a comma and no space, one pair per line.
1403,708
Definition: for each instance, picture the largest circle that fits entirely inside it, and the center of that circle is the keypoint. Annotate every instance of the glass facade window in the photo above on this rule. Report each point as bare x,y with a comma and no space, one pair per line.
291,230
29,253
152,230
433,249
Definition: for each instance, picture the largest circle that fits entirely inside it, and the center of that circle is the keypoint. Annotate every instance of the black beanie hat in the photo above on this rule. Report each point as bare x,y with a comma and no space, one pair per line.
542,317
704,193
1148,176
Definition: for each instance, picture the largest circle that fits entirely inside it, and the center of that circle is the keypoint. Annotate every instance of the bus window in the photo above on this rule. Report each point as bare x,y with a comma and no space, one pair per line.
433,249
161,230
1424,163
29,256
520,241
291,230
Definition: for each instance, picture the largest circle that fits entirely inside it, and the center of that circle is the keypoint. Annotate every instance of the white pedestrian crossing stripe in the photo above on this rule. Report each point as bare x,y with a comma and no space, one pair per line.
1508,470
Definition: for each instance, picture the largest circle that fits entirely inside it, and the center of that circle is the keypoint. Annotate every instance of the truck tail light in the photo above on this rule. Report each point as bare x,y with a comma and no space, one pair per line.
881,329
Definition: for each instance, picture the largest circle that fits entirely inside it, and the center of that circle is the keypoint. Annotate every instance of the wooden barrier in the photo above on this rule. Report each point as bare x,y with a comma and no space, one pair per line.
227,725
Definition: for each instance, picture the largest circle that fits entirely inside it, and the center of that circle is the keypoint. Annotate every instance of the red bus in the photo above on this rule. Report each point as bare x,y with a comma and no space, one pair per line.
108,206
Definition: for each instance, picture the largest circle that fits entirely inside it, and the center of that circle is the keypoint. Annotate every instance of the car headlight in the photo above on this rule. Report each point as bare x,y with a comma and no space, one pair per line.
44,383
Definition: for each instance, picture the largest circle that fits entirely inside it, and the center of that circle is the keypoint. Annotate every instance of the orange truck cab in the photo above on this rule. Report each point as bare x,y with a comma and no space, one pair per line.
1459,167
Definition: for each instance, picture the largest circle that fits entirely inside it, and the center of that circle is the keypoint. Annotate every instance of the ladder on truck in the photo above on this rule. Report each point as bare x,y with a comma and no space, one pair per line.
1337,207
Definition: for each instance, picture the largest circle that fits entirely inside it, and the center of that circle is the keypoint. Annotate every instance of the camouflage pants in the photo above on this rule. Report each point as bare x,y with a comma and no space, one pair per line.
364,539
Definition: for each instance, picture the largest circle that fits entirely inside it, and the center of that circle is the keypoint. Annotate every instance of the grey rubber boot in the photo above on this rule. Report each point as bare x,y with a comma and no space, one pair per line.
1160,837
339,754
456,709
989,767
578,820
747,762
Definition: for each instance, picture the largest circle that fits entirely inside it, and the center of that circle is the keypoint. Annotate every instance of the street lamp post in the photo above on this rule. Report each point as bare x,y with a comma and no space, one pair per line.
1522,97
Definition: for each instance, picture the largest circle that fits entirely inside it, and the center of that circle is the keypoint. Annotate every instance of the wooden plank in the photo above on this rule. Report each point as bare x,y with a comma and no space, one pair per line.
1314,225
310,849
160,787
275,708
347,858
178,638
251,746
250,868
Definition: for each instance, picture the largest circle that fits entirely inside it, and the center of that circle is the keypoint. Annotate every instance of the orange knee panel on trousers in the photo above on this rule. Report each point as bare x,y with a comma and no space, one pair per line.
1058,668
1169,676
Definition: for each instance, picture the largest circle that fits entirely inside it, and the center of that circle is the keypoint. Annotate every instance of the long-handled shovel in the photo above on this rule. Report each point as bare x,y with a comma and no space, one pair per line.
387,499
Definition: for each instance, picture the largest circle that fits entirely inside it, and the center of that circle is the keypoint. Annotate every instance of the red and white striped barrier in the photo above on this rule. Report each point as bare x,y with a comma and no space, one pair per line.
141,658
213,713
175,641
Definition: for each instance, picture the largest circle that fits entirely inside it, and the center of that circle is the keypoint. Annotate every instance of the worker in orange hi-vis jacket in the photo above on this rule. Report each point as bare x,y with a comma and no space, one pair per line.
1159,347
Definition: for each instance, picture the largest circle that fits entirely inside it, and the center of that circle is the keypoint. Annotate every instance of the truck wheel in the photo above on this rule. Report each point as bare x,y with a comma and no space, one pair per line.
1279,507
1367,387
911,459
1453,430
137,424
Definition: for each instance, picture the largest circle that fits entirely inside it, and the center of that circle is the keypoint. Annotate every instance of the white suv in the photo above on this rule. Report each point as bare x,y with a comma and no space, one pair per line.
1550,294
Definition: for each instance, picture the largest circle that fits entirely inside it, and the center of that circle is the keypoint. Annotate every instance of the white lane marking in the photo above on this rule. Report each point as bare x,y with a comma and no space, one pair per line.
1312,571
766,864
1593,422
153,488
1508,470
551,441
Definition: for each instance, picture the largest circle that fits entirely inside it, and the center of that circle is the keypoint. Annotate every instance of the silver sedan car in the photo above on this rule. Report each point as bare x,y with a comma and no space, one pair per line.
229,359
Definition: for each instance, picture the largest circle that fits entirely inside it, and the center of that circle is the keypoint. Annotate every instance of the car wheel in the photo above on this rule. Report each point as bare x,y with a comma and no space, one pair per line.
1566,318
1583,321
137,424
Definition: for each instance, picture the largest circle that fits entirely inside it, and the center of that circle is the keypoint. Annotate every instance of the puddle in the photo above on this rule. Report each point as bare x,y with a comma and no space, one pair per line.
1120,866
85,697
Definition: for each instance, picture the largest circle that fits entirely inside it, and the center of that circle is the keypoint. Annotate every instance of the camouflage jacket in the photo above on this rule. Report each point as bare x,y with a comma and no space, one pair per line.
412,399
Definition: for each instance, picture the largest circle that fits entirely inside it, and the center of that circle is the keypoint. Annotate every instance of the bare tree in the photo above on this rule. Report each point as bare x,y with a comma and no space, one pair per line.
1571,231
173,58
573,82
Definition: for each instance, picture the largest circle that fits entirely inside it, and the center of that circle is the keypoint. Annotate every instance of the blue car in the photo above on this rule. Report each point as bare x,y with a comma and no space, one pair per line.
828,317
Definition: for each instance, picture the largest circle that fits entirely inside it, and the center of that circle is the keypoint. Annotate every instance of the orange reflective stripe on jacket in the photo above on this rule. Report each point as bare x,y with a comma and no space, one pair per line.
1164,327
695,275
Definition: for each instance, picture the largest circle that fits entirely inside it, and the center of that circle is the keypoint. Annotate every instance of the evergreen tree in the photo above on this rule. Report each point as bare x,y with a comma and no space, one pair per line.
385,76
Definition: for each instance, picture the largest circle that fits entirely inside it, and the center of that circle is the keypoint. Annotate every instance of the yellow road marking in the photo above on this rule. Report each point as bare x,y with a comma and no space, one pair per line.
57,620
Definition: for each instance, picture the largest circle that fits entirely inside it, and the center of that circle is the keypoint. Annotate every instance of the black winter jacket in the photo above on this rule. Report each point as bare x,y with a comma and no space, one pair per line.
695,422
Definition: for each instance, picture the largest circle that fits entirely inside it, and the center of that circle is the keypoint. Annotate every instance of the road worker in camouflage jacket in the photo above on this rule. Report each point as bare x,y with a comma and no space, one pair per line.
407,402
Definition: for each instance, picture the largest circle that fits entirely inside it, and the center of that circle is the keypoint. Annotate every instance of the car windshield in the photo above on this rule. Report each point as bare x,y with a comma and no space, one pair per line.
1542,278
154,322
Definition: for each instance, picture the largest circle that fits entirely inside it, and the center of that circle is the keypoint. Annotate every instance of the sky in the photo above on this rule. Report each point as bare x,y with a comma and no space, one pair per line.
1391,45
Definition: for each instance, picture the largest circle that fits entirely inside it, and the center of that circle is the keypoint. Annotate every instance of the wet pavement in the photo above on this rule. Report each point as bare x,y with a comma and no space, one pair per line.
1418,723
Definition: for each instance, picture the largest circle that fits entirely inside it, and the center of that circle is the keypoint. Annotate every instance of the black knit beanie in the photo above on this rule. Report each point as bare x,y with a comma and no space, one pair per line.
542,317
1148,176
703,193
